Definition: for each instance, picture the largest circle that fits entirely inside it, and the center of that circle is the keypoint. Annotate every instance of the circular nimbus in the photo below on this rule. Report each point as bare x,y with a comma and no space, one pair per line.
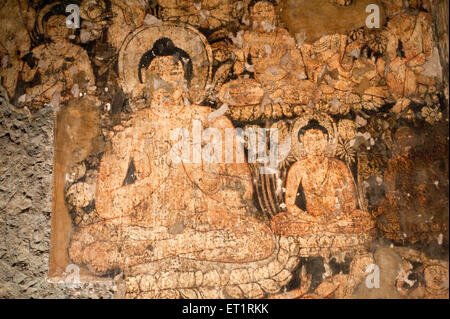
326,121
185,38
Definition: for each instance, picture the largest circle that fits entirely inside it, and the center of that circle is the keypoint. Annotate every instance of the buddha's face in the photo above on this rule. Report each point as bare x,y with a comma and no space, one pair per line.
315,142
164,79
263,11
435,277
56,29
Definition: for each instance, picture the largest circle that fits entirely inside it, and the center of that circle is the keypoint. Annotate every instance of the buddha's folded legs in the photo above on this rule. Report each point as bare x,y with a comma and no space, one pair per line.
109,245
287,224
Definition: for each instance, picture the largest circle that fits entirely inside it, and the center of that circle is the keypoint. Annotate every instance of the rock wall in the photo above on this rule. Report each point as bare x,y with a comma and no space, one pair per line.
26,161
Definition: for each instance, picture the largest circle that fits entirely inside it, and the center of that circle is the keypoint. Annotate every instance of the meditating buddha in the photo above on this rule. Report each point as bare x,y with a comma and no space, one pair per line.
320,192
156,207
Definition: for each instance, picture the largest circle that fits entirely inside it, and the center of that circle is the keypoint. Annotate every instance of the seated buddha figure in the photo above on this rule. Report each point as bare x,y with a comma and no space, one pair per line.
156,207
320,192
270,53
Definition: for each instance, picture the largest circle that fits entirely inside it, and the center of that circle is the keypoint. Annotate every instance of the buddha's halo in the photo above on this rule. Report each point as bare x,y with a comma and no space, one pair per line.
185,38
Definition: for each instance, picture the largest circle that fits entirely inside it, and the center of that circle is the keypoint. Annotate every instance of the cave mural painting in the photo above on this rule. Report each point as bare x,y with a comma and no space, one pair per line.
220,149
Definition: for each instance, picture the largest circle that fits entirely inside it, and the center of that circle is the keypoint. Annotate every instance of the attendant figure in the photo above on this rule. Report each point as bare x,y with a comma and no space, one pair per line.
270,53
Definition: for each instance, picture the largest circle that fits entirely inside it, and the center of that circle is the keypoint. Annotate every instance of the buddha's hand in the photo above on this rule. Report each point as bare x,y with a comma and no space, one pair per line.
207,177
122,201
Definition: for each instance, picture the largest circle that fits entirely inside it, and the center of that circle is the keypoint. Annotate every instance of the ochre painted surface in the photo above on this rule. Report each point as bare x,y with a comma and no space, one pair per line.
148,189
